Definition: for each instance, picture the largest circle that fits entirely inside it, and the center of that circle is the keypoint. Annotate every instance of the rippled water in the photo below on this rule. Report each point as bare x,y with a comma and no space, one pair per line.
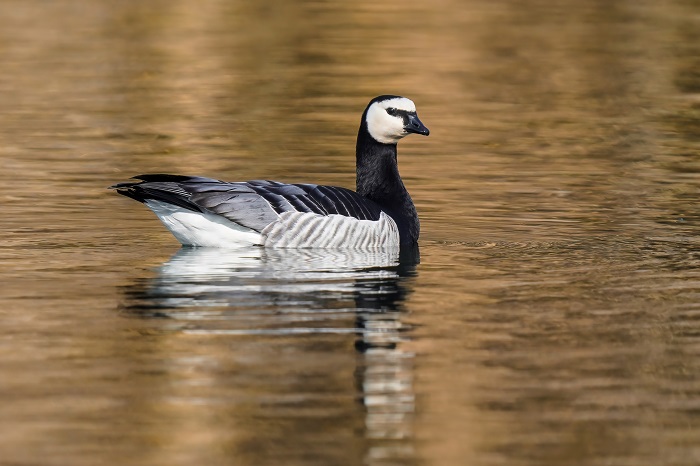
550,317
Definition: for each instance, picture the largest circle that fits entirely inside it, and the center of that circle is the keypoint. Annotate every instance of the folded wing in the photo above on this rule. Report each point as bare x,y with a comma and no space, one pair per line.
251,204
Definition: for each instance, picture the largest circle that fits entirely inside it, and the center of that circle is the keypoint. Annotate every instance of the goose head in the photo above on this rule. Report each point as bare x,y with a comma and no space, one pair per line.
389,118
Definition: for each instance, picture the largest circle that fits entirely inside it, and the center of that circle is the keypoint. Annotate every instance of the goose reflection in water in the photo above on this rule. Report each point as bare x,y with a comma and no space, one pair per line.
273,293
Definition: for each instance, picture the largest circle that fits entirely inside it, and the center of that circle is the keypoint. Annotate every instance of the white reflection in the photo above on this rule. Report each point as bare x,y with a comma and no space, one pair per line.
207,263
257,280
269,293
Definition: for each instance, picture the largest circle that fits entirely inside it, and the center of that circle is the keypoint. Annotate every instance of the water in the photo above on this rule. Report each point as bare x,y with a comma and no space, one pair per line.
550,317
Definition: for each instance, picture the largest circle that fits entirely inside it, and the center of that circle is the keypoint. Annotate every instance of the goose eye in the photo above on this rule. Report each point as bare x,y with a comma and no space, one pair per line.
391,111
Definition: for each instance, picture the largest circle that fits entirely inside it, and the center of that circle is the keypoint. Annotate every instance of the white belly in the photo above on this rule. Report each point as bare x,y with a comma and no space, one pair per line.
291,230
200,229
307,230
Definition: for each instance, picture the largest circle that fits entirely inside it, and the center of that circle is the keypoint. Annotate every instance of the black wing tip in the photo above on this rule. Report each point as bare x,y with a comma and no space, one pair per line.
151,177
124,185
143,191
127,189
147,177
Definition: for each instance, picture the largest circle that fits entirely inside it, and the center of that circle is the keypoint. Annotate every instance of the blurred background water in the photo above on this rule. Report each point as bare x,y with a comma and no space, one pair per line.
552,316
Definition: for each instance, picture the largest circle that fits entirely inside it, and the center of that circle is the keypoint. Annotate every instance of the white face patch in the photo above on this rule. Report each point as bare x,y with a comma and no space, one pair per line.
383,127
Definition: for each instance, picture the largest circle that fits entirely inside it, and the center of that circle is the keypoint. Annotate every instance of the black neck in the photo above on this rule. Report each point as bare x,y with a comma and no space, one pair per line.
378,179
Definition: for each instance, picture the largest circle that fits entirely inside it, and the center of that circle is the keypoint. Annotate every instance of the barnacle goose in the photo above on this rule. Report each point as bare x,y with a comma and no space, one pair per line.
206,212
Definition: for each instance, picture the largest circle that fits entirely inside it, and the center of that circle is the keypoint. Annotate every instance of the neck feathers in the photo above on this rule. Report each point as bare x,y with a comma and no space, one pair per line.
378,180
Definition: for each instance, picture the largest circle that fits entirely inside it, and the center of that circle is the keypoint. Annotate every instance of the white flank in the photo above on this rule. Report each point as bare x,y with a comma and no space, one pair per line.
308,230
383,127
198,229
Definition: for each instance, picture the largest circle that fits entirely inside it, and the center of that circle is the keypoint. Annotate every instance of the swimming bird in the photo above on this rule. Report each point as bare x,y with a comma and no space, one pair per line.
207,212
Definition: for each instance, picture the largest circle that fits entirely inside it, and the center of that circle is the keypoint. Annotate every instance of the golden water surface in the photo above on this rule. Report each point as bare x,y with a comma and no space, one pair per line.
552,318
